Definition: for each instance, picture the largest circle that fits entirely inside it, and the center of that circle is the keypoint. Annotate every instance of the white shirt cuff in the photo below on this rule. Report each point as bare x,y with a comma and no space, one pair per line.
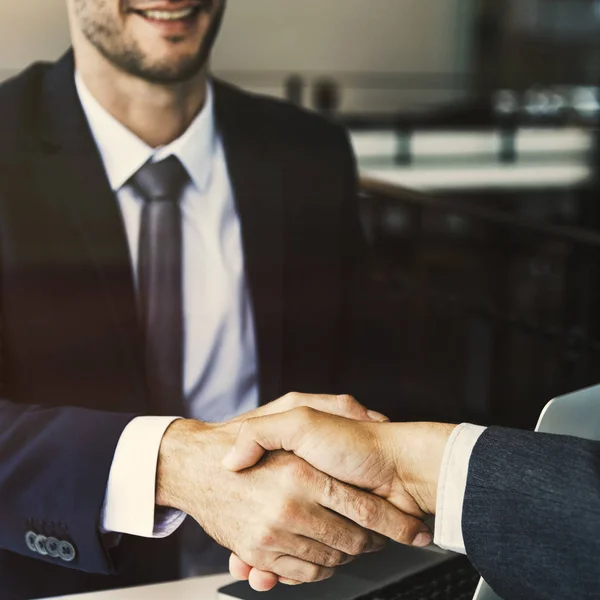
129,504
452,486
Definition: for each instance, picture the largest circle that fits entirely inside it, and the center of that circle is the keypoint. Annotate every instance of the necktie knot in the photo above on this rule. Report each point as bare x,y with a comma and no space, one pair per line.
162,181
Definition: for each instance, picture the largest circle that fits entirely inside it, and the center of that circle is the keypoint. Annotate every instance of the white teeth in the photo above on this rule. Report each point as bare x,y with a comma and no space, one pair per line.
168,15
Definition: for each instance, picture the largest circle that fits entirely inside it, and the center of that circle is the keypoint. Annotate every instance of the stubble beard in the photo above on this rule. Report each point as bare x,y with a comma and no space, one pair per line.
103,32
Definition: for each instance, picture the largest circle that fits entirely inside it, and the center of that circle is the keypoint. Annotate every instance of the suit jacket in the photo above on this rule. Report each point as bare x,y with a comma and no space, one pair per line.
72,369
531,517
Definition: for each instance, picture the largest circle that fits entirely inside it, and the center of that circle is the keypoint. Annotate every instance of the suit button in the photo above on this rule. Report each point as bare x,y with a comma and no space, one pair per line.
66,551
30,538
52,545
40,544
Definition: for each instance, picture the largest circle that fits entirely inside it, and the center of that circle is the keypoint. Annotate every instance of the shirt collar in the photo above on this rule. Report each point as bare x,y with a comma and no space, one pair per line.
123,153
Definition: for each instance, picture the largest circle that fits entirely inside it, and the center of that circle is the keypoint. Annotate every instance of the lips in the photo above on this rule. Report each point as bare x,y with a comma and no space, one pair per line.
161,11
168,15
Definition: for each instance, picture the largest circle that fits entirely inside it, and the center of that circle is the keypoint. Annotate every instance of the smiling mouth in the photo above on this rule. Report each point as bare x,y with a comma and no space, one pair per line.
178,14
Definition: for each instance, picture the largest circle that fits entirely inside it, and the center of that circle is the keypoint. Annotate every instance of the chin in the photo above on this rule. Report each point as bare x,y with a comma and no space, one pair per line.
169,69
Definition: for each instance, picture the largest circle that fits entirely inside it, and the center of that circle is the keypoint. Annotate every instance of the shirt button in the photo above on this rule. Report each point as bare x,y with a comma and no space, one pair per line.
66,551
52,545
40,545
30,538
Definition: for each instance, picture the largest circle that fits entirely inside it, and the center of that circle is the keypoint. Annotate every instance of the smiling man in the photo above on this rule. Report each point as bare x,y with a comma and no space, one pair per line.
169,247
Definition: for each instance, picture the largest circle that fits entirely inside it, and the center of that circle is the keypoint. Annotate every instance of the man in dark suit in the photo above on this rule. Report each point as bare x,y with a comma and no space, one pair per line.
169,246
523,506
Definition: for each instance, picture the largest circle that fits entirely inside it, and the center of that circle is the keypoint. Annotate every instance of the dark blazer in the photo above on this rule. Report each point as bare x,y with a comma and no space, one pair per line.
531,518
72,369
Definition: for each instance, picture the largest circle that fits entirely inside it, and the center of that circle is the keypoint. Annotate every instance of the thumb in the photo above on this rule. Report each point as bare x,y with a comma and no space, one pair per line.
256,436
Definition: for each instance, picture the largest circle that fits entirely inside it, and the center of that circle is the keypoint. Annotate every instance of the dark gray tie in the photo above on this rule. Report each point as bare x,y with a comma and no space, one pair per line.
160,280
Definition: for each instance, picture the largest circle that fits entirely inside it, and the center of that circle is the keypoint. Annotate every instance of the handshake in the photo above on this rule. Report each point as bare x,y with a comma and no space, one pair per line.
303,485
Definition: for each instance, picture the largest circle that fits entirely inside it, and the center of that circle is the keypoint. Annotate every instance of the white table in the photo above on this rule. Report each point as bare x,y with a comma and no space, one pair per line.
197,588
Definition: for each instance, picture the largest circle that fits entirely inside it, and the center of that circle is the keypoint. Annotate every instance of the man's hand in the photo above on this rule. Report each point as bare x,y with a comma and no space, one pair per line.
399,462
283,515
342,405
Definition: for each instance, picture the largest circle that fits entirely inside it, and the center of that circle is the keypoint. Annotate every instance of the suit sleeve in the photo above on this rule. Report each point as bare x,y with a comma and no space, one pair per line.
531,515
54,468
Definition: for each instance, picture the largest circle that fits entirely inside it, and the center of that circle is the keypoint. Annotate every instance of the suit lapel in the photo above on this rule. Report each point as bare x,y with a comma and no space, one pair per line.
70,174
257,183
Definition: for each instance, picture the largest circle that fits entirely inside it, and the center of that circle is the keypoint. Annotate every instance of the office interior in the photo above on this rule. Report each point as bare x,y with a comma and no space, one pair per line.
475,127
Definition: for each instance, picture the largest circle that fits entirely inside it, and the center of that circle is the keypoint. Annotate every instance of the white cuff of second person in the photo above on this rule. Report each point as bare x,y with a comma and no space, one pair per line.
452,486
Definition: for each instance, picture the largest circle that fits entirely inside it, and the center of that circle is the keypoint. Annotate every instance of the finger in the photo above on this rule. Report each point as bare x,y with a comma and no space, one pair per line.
292,568
285,581
300,541
281,431
262,581
338,533
373,513
341,538
342,405
238,568
284,431
263,575
306,548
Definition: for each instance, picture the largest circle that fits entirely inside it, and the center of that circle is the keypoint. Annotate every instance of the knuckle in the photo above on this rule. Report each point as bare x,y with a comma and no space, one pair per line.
253,557
340,538
328,489
288,511
360,544
307,413
267,539
296,470
402,533
307,417
347,402
368,511
334,558
303,552
313,573
292,399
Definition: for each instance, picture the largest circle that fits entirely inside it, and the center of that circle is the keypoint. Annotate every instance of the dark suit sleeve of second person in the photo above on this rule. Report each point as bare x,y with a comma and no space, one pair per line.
531,515
54,467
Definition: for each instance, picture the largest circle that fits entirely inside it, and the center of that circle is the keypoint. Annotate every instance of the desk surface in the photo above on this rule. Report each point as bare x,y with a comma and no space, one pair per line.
197,588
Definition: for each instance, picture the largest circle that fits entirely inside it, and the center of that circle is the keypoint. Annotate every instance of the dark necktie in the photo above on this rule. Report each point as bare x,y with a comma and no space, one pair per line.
160,279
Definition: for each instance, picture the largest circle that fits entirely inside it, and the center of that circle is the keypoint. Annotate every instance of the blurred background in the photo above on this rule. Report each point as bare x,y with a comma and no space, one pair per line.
475,125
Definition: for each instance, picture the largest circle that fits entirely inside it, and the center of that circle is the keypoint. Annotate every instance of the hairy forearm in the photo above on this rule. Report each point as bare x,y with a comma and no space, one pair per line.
179,452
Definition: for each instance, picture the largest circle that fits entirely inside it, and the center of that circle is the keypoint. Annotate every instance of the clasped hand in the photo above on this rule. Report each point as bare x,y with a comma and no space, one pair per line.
296,488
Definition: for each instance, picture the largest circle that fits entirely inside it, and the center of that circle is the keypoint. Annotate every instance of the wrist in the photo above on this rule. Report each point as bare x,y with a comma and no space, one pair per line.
178,451
419,453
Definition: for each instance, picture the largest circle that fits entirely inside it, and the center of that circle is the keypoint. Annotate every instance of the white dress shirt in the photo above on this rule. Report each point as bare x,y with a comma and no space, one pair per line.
452,486
220,368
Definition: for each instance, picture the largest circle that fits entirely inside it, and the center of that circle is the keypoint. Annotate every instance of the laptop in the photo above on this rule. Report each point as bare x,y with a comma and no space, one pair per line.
401,572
